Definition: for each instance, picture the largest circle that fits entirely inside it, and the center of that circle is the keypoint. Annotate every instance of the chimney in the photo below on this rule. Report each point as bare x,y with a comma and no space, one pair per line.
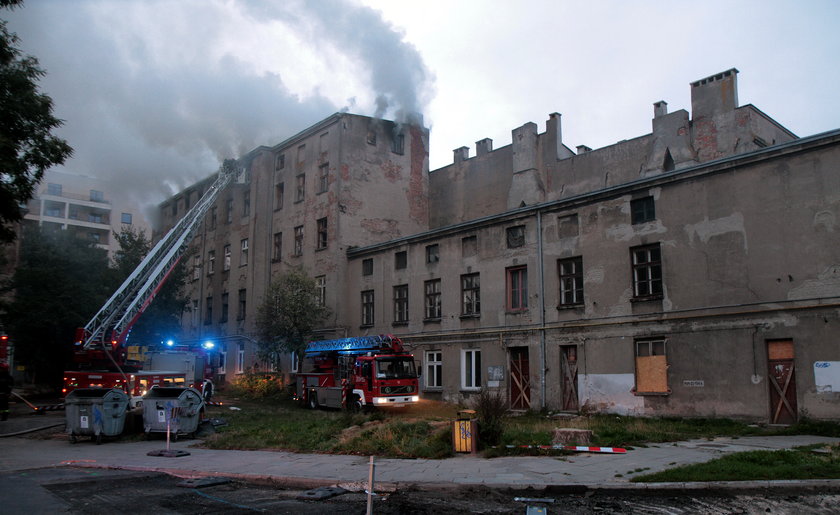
461,154
554,132
660,108
714,94
483,146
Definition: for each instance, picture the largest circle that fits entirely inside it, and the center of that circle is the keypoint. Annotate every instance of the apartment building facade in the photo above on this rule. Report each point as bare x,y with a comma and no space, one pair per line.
691,271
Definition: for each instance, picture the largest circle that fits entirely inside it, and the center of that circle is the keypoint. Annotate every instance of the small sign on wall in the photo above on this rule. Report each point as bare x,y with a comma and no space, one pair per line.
827,376
694,383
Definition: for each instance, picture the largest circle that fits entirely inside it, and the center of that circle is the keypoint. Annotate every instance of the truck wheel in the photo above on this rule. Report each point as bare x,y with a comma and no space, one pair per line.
313,400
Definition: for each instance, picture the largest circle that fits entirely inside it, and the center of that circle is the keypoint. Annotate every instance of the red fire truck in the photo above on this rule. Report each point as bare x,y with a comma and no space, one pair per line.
356,373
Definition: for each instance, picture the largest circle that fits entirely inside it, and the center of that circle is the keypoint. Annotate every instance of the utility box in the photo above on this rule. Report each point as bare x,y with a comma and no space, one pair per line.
465,432
95,412
178,409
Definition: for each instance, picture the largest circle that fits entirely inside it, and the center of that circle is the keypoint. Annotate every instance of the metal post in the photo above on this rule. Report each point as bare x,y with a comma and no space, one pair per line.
370,488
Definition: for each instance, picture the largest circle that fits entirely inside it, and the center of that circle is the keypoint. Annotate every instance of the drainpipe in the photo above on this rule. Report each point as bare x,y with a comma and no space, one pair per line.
542,308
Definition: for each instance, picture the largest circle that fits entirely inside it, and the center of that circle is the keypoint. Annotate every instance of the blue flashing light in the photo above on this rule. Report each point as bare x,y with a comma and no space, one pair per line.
208,345
170,343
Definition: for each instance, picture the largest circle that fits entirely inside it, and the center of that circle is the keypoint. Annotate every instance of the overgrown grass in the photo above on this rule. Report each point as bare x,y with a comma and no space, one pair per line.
801,463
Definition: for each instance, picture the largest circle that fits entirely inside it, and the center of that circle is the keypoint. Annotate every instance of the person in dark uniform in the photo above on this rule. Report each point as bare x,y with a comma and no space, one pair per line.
6,383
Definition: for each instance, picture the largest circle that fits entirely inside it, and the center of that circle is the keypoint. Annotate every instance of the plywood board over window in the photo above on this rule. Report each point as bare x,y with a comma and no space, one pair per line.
651,367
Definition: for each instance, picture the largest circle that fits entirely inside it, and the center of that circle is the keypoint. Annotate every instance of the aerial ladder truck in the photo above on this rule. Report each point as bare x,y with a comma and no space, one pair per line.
100,350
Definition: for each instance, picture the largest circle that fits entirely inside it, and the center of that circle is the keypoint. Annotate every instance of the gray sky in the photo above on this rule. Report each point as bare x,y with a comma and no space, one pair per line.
156,92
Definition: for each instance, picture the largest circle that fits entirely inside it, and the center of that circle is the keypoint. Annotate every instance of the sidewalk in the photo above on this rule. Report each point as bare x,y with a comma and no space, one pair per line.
312,470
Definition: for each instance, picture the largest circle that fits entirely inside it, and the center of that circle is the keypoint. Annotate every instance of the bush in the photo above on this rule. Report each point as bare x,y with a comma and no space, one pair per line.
257,385
491,408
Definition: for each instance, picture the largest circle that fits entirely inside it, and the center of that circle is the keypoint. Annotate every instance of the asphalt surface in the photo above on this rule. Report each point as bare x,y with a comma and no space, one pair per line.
21,452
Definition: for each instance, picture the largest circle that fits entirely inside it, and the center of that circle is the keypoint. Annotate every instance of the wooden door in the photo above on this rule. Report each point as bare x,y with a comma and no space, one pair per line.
520,377
781,377
568,370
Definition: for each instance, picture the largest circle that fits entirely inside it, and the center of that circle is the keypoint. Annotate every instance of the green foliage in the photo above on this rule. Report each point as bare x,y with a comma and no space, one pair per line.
288,314
27,146
258,385
491,409
757,466
403,440
60,282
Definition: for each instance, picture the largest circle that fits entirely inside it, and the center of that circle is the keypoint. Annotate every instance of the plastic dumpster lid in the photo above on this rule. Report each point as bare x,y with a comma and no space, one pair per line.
92,392
168,392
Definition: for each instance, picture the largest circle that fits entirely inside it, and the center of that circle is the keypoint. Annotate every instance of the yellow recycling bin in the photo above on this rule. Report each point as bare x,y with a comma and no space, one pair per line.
465,432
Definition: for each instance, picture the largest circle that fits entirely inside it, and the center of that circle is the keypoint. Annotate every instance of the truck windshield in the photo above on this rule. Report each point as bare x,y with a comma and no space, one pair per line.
395,368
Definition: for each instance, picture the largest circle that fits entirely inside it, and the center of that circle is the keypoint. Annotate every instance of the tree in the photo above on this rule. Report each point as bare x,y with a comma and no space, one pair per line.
27,145
59,284
289,312
162,317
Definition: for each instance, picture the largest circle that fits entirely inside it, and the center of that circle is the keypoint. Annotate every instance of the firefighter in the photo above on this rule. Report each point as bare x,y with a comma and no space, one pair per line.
6,383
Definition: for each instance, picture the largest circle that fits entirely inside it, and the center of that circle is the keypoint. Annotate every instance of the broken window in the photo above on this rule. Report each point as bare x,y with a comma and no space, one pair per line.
571,281
212,218
300,188
224,317
211,262
432,253
243,254
281,162
323,177
322,234
515,236
208,311
242,306
647,271
246,203
321,290
642,210
299,240
401,260
277,251
651,366
226,264
398,144
279,189
229,218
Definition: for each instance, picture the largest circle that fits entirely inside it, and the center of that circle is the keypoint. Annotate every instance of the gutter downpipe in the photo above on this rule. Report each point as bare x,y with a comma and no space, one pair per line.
542,309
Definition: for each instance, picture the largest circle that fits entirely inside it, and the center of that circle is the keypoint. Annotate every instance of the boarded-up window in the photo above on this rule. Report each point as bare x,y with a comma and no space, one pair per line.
651,366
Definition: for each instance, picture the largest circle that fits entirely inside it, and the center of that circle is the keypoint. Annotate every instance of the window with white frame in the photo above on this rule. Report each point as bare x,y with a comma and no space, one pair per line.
647,271
321,290
240,359
433,305
571,281
211,262
299,240
196,268
323,177
243,254
470,295
470,369
295,362
401,304
226,264
434,367
321,243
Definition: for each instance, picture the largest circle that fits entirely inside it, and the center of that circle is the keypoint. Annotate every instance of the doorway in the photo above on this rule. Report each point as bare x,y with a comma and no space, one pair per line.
569,381
781,376
520,379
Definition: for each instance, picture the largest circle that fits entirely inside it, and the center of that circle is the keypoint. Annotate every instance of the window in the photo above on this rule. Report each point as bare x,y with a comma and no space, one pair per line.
240,312
279,189
222,362
94,218
470,295
300,187
243,253
225,301
367,308
571,281
367,266
240,359
98,196
196,268
322,234
470,369
95,237
277,248
515,236
299,240
517,288
651,366
371,137
647,271
226,264
208,311
187,201
642,210
246,203
398,144
400,260
229,217
434,367
280,163
432,253
401,304
469,246
211,262
295,362
54,189
195,313
321,290
125,218
432,292
174,206
301,155
213,218
323,177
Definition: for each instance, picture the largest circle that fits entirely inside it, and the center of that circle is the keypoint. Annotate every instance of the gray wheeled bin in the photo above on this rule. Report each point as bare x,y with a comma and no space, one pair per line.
179,406
95,412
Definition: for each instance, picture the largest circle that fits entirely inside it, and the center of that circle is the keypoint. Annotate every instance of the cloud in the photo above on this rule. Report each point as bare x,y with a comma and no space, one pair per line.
155,93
